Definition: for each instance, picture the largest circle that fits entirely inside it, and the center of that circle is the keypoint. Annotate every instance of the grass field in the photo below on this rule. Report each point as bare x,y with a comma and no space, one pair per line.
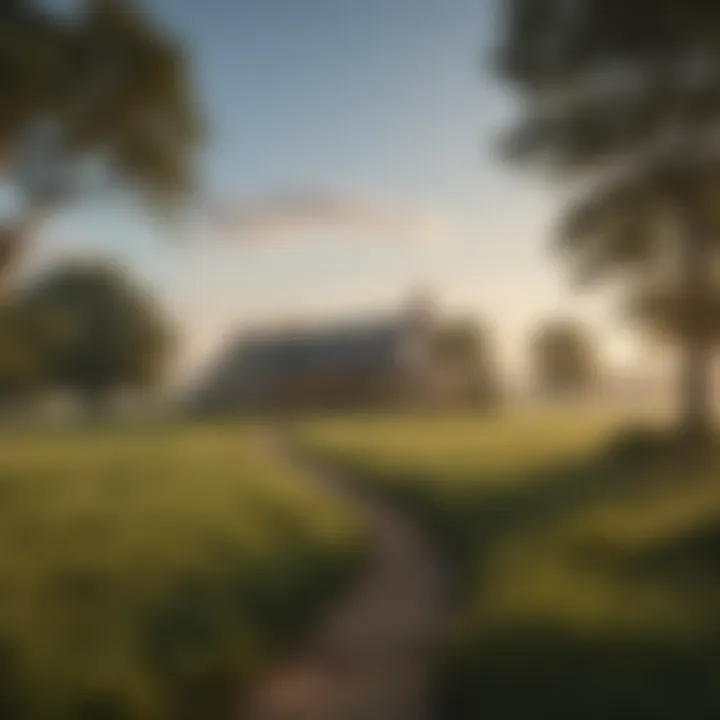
588,581
149,573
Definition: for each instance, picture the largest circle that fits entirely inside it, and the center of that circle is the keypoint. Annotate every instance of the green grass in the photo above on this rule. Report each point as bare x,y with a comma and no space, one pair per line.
588,582
150,573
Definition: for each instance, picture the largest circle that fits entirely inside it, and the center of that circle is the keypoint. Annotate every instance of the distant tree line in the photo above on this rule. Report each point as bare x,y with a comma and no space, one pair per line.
90,330
563,360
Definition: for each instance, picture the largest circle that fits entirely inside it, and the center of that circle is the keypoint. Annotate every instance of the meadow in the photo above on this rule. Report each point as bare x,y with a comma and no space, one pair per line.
153,573
587,581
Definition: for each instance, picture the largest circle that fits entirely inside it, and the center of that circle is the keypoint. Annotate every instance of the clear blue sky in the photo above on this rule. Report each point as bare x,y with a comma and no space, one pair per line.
385,100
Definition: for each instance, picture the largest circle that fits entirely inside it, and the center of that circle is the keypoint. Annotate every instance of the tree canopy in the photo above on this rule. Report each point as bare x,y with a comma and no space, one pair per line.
95,100
465,347
96,330
564,358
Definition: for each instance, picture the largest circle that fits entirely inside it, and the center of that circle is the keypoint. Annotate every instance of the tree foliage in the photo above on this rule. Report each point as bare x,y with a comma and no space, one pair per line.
564,358
622,98
667,316
464,347
95,330
95,100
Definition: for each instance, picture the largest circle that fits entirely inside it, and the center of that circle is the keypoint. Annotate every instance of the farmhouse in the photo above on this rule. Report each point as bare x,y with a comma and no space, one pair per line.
394,361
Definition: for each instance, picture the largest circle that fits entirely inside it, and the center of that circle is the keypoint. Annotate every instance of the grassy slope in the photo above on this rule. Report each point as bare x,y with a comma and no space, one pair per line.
589,585
142,571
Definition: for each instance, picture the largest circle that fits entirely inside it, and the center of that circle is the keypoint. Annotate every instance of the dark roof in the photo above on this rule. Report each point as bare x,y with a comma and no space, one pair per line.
361,345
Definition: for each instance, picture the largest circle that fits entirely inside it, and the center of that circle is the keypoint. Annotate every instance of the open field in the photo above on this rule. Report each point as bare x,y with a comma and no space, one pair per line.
150,573
588,581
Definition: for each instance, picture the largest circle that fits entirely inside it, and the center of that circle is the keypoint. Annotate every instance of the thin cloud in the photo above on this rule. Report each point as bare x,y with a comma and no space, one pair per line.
296,215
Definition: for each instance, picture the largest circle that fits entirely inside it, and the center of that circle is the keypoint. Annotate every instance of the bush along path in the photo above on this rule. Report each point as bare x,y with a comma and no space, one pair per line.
372,655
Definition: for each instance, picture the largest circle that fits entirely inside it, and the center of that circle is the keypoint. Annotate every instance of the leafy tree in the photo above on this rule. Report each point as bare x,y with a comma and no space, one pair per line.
659,309
622,98
564,358
93,101
464,348
100,331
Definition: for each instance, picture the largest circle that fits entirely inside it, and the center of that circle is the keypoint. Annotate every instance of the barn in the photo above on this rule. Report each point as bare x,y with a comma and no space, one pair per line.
381,362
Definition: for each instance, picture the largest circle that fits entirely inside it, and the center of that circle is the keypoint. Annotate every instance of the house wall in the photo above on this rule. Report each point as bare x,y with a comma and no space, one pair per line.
327,389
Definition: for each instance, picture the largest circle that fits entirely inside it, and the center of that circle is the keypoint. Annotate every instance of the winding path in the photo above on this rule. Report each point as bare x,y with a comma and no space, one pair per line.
371,658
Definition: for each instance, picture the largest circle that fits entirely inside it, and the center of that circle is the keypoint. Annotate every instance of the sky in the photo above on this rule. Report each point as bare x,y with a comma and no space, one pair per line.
383,116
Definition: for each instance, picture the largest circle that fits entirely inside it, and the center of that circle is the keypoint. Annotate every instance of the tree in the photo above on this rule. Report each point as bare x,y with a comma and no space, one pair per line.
622,97
94,101
564,359
463,348
101,331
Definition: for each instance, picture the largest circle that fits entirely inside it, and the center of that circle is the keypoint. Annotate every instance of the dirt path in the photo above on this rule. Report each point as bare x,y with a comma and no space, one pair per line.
371,658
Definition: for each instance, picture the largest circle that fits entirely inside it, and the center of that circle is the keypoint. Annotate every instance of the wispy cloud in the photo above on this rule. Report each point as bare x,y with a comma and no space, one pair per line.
298,214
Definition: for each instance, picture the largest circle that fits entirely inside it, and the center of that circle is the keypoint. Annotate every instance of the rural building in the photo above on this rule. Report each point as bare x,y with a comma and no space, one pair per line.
396,361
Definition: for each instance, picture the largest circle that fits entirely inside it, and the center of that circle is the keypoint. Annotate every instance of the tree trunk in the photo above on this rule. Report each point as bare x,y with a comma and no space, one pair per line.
696,389
696,385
